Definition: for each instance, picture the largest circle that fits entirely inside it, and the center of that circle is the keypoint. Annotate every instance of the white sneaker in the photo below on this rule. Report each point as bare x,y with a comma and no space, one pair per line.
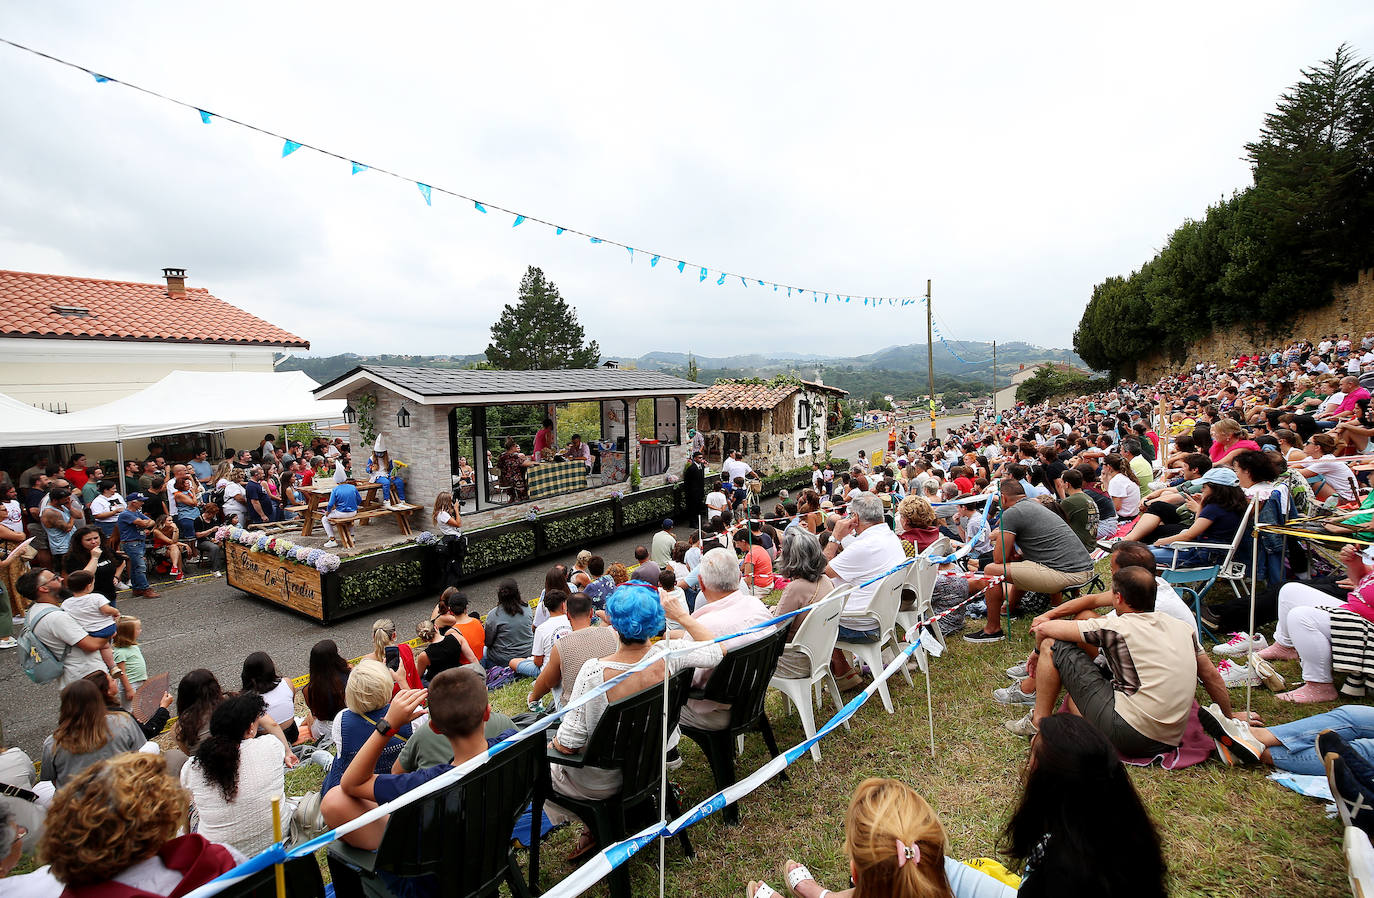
9,642
1012,695
1236,675
17,620
1233,739
124,584
331,544
1239,645
1018,671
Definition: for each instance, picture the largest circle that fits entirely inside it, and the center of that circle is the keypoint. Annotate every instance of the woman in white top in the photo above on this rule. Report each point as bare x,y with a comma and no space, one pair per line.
446,518
279,696
235,498
636,615
234,776
1290,444
1121,487
1328,475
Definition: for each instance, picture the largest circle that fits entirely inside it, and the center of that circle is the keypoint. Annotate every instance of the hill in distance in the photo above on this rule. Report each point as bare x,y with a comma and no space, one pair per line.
898,370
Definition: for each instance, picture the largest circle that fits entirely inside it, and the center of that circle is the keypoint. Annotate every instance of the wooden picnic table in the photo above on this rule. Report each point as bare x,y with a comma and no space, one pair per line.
314,495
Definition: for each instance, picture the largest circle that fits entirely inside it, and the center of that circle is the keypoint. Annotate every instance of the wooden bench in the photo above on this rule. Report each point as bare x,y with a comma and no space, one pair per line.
400,512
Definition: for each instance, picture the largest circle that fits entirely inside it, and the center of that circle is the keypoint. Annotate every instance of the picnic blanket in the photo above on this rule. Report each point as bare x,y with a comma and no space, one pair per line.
1195,748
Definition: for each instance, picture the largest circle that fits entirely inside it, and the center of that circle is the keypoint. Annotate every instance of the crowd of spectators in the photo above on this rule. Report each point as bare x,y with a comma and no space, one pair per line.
1152,476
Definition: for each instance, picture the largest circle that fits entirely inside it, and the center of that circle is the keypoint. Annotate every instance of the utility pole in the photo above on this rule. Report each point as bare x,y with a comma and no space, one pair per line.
930,358
994,381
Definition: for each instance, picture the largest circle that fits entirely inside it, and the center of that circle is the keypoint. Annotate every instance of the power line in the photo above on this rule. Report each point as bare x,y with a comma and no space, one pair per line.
290,145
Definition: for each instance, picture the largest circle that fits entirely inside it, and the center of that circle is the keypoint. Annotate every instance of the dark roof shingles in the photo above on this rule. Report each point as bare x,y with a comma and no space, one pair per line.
466,381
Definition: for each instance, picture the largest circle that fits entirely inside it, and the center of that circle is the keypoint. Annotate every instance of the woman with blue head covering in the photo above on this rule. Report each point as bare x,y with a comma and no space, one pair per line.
637,614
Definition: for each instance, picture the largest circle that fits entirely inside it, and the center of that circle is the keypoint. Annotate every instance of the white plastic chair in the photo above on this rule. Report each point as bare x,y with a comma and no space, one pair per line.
815,638
1359,862
920,578
881,615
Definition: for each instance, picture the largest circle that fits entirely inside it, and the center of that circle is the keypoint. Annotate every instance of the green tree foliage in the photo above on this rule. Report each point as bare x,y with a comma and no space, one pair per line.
1048,382
1267,252
692,371
540,331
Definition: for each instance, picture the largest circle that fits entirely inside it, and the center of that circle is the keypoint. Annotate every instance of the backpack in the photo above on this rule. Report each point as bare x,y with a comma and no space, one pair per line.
40,664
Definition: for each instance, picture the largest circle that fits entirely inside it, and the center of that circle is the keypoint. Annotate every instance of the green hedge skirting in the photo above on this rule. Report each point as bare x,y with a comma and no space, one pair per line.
366,587
647,511
579,528
498,549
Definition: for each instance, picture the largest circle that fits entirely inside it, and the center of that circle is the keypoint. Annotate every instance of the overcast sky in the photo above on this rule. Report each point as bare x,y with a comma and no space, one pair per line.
1015,154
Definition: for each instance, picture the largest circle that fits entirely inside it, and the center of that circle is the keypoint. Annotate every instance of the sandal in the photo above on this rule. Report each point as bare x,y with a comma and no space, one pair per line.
796,876
585,846
761,890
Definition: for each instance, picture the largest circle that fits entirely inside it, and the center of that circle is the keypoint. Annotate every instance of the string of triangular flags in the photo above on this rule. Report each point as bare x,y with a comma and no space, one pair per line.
934,326
428,191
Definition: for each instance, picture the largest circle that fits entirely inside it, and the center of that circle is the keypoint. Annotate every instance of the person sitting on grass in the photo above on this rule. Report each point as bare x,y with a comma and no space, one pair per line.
367,697
234,775
1304,629
1142,697
582,643
1079,827
895,845
457,710
554,627
1125,553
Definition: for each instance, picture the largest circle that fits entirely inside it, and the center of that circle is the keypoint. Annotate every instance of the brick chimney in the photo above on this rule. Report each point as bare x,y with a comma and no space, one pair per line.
176,282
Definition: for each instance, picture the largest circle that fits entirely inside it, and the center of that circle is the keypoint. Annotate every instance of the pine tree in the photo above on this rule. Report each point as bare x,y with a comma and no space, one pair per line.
540,331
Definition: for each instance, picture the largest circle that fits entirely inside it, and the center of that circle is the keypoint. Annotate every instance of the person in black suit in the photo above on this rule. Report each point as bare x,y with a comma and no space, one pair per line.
694,478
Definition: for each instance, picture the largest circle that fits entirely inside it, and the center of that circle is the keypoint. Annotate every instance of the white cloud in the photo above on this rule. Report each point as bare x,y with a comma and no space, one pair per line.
1014,154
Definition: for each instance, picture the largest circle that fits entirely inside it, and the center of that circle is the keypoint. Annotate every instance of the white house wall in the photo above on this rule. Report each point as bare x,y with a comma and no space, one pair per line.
81,374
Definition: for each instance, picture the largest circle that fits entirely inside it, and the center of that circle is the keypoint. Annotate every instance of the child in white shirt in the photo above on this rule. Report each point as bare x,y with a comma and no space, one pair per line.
92,611
545,634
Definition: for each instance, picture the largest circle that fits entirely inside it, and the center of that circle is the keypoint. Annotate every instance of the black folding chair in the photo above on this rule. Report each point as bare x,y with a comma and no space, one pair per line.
628,738
303,880
460,835
741,681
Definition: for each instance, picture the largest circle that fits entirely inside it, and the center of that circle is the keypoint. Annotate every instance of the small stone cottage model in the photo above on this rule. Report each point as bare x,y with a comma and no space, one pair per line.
776,425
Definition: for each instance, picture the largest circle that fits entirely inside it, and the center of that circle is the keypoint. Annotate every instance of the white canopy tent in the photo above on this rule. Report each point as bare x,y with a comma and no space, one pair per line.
182,402
19,420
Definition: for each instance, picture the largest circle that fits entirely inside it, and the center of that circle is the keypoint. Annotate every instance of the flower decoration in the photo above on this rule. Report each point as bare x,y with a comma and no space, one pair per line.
426,538
326,563
314,556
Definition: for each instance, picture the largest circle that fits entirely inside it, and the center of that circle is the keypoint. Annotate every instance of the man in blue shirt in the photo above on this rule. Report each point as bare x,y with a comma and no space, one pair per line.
133,527
343,502
200,466
457,709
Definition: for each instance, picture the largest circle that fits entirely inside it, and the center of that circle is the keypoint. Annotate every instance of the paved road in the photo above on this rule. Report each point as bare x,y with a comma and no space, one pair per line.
878,439
209,624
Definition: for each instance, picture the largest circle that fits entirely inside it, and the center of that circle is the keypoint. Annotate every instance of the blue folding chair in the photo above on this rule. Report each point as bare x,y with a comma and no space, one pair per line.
1204,575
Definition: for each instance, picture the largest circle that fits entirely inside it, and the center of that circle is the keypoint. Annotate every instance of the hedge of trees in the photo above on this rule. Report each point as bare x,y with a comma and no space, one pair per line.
1268,251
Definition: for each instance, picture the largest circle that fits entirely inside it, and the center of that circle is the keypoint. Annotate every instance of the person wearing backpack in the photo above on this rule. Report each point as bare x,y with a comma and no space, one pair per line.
54,645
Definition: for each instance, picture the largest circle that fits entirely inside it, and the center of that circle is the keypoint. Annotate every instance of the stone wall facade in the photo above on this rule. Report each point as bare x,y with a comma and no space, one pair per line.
1351,311
424,446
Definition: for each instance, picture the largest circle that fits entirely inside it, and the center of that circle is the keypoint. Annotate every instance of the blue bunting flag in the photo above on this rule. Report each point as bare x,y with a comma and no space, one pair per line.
204,116
289,147
424,191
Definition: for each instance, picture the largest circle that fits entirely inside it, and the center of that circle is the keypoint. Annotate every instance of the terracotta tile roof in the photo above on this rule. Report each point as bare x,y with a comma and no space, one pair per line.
75,308
751,396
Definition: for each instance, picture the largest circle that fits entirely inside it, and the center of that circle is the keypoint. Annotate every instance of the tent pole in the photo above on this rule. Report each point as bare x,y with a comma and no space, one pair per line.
119,454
